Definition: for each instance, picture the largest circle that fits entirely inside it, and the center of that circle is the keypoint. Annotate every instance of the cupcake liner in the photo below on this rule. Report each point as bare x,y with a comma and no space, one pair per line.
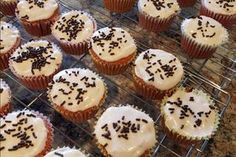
41,27
147,153
77,48
79,116
149,91
5,56
196,50
119,6
174,135
226,20
154,24
186,3
5,109
8,8
111,68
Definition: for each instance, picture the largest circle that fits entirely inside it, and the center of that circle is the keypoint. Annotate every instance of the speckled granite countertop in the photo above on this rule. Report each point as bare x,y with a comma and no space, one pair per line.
220,69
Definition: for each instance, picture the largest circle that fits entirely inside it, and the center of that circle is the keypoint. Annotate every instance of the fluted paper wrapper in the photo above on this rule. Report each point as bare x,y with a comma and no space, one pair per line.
8,8
226,20
186,3
154,24
196,50
119,6
5,109
41,27
111,68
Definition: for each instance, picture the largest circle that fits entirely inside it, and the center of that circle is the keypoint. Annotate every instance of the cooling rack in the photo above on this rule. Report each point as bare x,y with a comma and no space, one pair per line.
211,75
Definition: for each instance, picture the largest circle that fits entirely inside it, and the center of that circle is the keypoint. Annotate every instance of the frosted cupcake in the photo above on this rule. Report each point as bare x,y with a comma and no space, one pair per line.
157,15
189,116
201,36
5,97
112,50
73,30
77,93
7,7
223,11
9,41
125,131
25,133
35,63
37,16
65,152
156,73
119,6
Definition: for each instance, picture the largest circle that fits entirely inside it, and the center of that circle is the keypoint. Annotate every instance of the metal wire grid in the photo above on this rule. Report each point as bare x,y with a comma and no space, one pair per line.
118,90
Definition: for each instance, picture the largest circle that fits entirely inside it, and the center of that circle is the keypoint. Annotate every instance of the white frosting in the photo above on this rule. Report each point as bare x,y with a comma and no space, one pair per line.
5,93
39,130
204,30
226,7
148,68
66,152
34,12
92,97
66,27
52,54
137,143
125,46
8,37
163,9
201,103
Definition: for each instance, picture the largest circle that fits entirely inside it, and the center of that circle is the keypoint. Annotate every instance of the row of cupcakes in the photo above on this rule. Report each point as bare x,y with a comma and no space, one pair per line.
40,14
188,116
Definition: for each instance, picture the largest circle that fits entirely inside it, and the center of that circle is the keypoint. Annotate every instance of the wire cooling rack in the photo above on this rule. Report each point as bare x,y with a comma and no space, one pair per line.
210,75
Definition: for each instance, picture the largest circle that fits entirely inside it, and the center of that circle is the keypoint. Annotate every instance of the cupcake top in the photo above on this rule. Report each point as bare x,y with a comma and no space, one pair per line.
125,131
8,37
112,43
190,114
159,8
5,93
23,133
34,10
36,58
65,152
159,69
226,7
74,26
76,89
204,30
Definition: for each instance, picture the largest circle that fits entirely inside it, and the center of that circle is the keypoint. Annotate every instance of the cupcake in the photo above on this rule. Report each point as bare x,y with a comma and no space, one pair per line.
112,50
77,93
5,97
7,7
25,134
156,16
189,116
156,73
37,16
223,11
65,152
119,6
9,41
35,63
73,31
186,3
201,36
125,131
